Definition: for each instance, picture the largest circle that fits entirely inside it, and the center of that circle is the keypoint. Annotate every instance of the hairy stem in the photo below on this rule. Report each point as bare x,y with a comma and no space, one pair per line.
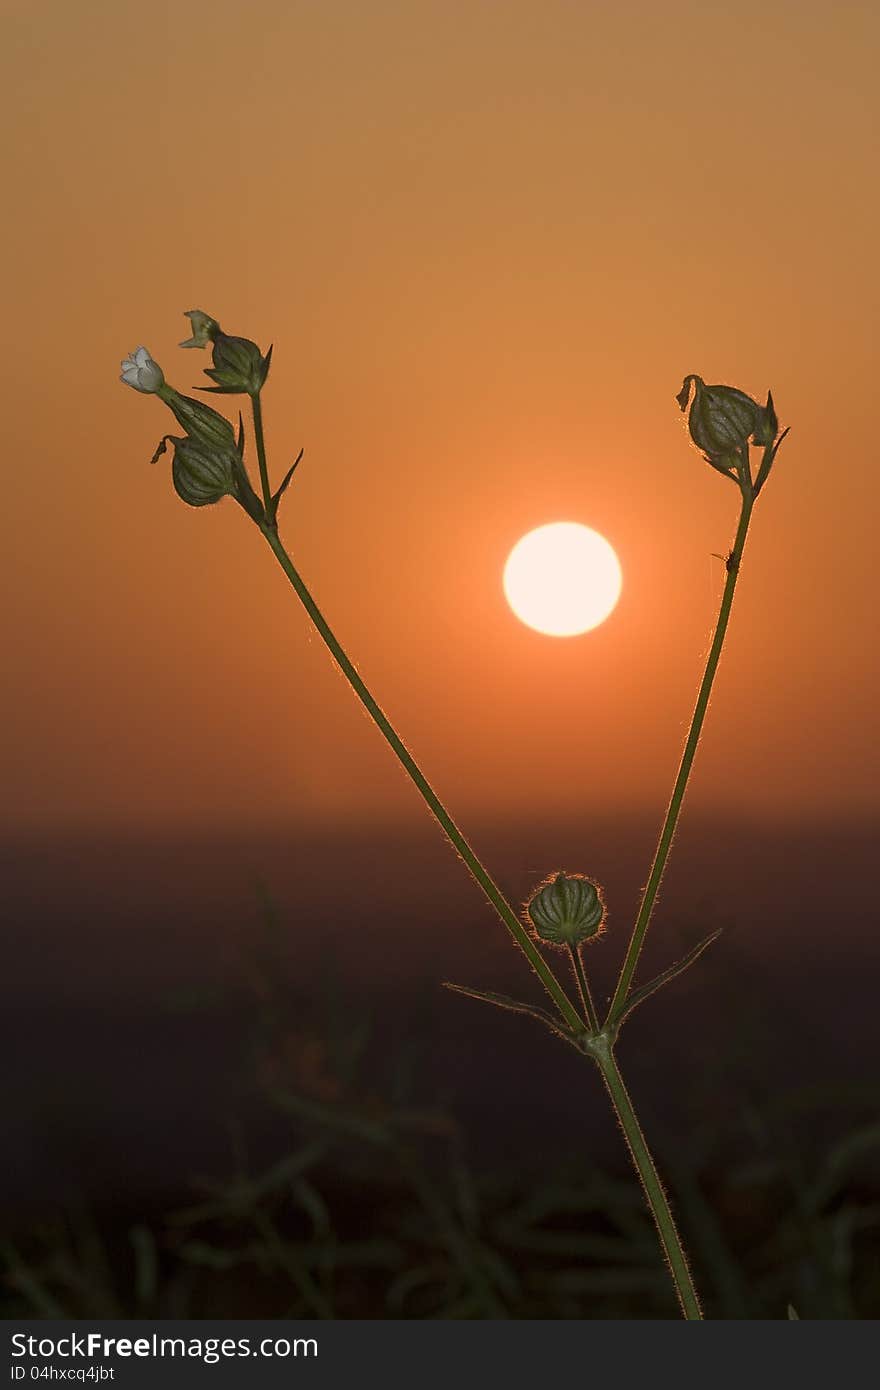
577,966
651,1184
667,832
482,876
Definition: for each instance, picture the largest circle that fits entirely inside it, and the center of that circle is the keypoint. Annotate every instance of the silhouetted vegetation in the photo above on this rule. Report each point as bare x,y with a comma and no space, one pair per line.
373,1206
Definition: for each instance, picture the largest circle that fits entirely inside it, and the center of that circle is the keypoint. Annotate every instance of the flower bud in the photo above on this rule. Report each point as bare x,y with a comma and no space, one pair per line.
140,371
239,366
567,910
201,474
722,419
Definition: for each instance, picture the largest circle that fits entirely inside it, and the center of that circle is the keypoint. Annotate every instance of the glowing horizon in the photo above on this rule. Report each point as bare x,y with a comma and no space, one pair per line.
481,311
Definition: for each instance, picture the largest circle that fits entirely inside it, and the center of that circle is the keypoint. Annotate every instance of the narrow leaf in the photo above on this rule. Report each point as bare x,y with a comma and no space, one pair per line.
502,1001
240,442
767,462
287,477
640,995
793,1315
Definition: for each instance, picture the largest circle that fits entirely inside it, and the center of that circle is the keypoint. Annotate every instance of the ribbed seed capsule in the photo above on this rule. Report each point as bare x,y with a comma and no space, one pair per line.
567,910
200,421
722,419
202,475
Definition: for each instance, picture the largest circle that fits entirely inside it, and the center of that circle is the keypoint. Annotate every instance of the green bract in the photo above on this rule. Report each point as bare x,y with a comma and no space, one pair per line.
567,910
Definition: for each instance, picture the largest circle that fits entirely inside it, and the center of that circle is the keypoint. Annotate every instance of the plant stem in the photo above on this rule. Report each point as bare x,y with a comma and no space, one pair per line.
577,965
491,890
650,1180
667,832
261,456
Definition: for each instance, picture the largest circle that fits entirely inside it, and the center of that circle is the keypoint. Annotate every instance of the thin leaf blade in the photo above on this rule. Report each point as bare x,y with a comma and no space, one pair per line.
503,1001
276,498
677,968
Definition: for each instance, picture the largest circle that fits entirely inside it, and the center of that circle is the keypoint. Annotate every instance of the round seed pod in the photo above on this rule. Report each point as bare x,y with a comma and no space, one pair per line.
202,475
722,419
567,910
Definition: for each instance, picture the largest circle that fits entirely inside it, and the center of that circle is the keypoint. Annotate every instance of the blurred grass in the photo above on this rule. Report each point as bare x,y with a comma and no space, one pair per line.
374,1208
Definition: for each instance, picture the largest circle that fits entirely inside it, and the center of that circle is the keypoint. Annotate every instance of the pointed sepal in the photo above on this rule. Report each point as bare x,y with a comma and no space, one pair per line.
265,364
771,422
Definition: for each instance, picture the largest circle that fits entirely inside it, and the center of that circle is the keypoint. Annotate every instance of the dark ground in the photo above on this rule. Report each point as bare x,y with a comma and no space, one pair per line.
157,992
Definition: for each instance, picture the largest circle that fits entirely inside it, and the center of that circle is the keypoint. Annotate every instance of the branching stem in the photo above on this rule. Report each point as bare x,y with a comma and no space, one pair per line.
490,888
600,1045
667,832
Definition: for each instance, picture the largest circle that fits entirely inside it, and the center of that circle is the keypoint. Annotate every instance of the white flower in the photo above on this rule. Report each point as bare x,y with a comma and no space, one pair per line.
202,326
140,371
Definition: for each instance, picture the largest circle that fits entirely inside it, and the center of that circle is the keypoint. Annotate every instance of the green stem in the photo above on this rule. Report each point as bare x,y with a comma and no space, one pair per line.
583,986
454,835
667,832
261,458
650,1180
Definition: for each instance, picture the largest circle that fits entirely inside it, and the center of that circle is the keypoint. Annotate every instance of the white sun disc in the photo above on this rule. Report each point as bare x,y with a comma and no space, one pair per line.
562,579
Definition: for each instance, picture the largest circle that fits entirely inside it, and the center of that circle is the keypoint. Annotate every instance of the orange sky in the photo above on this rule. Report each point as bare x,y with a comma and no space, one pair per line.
488,241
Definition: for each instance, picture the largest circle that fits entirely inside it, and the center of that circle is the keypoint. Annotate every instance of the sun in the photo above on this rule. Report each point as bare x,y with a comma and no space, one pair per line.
562,579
